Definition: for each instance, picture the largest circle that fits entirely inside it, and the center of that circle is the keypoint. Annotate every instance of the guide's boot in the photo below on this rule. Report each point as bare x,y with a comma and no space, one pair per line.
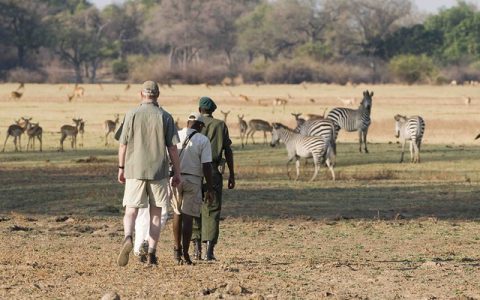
210,256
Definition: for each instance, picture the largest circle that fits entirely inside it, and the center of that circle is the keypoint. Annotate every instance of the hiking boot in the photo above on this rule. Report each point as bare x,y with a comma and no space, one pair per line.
187,259
152,259
197,250
177,255
123,256
210,256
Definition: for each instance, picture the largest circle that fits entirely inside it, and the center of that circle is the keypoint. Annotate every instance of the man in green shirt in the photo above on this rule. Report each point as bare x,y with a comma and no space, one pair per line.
206,228
148,132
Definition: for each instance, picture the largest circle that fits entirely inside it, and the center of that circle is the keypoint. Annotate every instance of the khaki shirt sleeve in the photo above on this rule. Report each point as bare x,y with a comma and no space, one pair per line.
171,134
127,123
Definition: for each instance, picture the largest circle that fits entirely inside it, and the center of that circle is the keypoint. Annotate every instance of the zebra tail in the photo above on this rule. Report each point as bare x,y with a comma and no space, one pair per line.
331,153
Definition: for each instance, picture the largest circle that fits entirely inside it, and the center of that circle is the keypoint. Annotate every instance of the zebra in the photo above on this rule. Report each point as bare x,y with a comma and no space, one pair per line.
410,128
304,146
354,119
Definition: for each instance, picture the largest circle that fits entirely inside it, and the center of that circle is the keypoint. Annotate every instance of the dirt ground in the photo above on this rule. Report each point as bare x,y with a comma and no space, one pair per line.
74,258
382,230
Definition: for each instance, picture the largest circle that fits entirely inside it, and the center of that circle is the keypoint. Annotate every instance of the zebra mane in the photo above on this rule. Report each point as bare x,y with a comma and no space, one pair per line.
280,125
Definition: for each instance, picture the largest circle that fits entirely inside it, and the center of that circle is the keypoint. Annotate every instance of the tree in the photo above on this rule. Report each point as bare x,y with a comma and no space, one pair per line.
459,27
181,23
24,25
412,69
80,41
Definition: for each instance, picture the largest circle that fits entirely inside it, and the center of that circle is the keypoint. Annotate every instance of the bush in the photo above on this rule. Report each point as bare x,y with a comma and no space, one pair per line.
290,71
412,69
120,69
314,50
26,75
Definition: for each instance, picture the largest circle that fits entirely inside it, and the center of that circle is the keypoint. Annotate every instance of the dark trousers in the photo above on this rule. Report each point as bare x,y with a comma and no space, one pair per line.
207,226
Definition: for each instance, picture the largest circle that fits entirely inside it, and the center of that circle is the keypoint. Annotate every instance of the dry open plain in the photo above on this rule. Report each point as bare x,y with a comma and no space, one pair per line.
383,230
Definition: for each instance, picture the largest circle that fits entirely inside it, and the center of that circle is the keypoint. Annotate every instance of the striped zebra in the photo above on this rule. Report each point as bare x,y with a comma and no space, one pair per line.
354,119
324,128
412,129
304,146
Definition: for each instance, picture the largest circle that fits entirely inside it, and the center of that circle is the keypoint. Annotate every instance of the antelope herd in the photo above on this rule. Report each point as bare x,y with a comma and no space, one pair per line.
324,127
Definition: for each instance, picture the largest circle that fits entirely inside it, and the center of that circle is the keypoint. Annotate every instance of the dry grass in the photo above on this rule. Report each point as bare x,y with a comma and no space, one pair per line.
383,230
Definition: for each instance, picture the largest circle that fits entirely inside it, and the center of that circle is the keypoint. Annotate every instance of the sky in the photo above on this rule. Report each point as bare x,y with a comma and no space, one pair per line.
429,6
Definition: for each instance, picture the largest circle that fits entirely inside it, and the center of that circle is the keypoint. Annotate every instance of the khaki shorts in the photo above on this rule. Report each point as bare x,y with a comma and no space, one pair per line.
187,198
140,193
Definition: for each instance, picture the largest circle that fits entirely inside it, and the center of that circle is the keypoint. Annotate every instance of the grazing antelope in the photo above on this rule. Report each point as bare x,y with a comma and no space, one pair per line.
72,131
258,125
278,102
412,129
207,85
243,97
70,97
354,119
81,130
347,101
304,84
316,117
242,125
298,146
78,91
127,87
21,86
34,131
225,115
15,95
312,100
467,100
110,126
16,130
299,121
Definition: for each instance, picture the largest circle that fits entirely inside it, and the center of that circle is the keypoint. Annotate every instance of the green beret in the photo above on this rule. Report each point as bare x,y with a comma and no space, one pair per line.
207,103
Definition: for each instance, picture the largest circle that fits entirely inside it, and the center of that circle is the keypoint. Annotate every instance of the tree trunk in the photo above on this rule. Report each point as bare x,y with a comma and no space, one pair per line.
93,72
170,58
21,56
78,73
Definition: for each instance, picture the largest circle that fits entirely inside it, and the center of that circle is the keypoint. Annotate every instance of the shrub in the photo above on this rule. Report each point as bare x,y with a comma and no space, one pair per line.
290,71
120,69
26,75
412,69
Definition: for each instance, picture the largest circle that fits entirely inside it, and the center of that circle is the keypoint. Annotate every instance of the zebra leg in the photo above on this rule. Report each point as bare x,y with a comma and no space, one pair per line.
419,143
330,167
365,140
297,167
412,151
316,162
403,150
5,142
288,170
360,141
416,152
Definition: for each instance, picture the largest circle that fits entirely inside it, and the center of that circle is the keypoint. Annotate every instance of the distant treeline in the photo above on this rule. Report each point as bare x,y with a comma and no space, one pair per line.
234,41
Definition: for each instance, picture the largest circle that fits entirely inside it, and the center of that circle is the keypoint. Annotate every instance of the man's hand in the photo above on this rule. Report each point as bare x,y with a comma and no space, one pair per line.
231,181
209,196
176,180
121,176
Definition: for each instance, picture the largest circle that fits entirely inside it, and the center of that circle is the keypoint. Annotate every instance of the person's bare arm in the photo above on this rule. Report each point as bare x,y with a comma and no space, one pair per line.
173,153
207,173
229,159
122,150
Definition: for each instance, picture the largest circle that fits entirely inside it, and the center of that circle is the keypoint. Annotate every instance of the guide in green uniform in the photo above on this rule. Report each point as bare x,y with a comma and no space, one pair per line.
206,228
